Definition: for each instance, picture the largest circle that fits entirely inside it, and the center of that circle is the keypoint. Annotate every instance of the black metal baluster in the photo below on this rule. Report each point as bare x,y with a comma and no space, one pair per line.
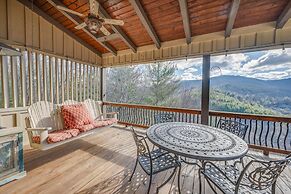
251,128
278,139
215,121
272,138
286,135
255,135
266,136
260,137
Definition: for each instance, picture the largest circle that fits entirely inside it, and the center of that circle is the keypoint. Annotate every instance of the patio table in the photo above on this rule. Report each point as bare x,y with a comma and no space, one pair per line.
196,141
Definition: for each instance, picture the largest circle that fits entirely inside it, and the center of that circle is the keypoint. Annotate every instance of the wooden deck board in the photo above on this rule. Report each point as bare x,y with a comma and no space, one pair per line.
102,163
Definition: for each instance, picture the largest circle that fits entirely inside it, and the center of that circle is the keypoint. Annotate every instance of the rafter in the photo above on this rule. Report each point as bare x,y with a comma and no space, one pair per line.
145,21
284,17
41,13
118,30
76,20
109,37
186,22
231,17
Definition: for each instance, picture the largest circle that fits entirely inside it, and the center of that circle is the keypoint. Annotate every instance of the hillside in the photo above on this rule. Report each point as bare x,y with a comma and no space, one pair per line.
271,94
245,85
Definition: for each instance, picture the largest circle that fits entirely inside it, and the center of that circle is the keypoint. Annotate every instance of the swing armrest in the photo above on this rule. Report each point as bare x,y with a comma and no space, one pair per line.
112,114
43,133
40,129
103,115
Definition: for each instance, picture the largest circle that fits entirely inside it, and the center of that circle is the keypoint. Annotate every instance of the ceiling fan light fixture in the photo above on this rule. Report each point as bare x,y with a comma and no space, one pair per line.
94,24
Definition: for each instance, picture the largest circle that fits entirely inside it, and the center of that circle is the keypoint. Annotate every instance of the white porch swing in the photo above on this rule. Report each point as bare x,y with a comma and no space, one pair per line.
45,117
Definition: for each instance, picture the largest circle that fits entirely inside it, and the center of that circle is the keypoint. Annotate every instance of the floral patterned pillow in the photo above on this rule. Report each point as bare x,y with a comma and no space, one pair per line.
75,115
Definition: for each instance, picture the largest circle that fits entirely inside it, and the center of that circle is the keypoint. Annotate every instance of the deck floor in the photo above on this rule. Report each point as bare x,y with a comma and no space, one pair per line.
101,163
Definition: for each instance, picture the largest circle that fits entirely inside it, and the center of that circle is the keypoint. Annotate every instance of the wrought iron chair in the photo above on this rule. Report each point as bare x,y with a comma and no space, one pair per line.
164,117
256,177
234,127
155,161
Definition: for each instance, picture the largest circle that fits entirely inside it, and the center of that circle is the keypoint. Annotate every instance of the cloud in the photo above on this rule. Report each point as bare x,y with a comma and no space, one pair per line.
270,58
190,76
190,63
272,64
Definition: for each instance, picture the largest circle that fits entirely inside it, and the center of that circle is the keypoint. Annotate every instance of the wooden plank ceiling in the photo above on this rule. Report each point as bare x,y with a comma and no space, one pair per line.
205,16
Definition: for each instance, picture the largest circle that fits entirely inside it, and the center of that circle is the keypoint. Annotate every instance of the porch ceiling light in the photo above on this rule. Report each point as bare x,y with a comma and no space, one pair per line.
6,50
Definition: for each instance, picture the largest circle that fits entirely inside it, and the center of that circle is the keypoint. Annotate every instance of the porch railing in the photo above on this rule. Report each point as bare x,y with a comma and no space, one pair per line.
269,133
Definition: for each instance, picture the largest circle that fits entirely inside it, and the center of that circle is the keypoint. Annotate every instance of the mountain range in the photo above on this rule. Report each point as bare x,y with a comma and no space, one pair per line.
271,94
245,86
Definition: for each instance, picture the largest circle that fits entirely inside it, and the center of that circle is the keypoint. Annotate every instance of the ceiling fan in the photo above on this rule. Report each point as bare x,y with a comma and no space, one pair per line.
93,20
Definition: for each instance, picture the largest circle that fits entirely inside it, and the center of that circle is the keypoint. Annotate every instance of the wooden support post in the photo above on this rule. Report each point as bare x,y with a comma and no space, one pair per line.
52,77
44,76
15,80
5,87
205,89
57,78
73,68
23,78
63,66
38,80
30,70
103,87
102,84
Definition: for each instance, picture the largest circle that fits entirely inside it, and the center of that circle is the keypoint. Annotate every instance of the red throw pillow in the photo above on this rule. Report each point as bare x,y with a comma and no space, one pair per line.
75,116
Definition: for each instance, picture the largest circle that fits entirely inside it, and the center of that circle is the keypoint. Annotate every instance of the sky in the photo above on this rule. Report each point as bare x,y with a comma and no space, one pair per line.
265,65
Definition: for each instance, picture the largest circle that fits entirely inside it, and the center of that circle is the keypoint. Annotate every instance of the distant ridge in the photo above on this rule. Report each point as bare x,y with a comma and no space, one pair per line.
245,86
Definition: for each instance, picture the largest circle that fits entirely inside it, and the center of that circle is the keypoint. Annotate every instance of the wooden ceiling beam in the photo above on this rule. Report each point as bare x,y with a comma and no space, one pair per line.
145,21
284,17
231,17
51,20
186,22
109,37
76,20
118,30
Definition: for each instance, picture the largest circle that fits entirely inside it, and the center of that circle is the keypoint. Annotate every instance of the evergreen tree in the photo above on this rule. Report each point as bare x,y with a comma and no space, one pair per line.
162,83
123,84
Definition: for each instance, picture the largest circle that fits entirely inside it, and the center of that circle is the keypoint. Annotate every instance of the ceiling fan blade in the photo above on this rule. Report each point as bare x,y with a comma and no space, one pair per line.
94,7
114,22
80,26
105,31
69,10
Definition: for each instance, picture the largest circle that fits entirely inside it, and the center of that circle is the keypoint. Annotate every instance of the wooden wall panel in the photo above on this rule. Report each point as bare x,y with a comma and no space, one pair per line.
19,26
85,54
3,20
58,37
31,29
16,22
244,39
68,46
46,35
77,50
92,57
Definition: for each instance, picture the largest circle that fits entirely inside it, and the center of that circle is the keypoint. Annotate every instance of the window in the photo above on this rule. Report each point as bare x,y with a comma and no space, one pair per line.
254,83
161,84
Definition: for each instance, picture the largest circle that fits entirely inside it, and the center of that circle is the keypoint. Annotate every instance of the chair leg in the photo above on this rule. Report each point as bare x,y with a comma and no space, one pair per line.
200,183
274,188
133,171
150,183
168,179
179,176
210,185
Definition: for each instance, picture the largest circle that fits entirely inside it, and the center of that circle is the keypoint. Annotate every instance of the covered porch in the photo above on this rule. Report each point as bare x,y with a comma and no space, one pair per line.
97,164
57,63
